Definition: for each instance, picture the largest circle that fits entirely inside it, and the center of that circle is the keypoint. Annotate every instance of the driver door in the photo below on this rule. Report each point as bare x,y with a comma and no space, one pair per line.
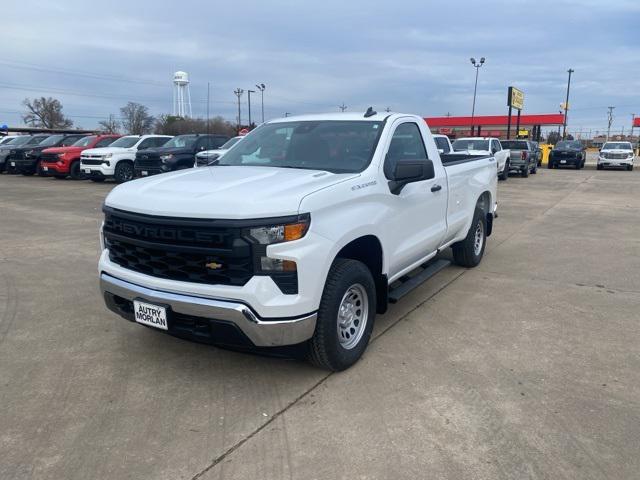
416,217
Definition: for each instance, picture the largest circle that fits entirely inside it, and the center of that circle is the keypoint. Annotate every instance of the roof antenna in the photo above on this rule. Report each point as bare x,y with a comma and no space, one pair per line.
370,112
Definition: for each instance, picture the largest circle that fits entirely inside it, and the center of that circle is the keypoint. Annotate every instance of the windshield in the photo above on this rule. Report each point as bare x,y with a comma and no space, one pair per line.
181,141
569,144
84,142
471,144
617,146
125,142
52,140
515,145
230,143
17,141
331,145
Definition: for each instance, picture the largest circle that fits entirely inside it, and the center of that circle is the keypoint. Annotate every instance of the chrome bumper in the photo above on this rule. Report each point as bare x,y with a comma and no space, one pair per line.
261,332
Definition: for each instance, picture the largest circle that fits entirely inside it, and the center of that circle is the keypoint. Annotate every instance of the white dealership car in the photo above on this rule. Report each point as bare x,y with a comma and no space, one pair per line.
616,154
486,146
203,158
117,159
298,235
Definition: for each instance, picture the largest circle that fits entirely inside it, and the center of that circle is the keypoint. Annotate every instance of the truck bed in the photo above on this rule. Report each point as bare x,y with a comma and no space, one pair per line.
457,158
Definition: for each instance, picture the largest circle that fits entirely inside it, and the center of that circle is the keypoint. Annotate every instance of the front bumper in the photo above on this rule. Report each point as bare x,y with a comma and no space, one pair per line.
52,168
208,319
615,162
102,170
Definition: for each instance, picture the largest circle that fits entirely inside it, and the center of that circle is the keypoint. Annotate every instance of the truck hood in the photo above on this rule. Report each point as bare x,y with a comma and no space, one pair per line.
167,150
62,150
617,150
222,192
104,150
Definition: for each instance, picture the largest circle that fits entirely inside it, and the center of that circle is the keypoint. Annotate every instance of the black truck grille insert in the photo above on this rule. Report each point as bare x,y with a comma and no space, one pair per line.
177,249
147,160
49,157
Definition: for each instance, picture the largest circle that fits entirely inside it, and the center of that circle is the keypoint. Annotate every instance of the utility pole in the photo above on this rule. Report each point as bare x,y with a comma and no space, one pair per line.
475,88
208,98
633,119
261,87
249,92
239,92
609,121
342,107
566,105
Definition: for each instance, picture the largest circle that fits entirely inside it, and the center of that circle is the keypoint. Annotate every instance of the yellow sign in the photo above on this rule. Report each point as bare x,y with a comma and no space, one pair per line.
523,133
515,98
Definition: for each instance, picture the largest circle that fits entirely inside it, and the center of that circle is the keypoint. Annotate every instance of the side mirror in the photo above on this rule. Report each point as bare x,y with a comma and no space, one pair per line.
441,150
408,171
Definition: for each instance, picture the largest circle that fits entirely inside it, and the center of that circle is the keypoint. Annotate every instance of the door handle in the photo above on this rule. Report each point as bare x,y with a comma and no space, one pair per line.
436,188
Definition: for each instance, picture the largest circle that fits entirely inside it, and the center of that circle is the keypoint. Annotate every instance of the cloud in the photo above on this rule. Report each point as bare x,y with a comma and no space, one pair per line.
410,55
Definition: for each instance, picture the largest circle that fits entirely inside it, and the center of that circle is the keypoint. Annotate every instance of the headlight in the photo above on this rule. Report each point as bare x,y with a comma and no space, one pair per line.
630,154
61,155
28,152
281,233
166,158
12,152
108,155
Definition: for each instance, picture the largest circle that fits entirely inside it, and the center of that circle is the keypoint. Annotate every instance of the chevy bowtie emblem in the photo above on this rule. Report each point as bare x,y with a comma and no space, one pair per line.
213,265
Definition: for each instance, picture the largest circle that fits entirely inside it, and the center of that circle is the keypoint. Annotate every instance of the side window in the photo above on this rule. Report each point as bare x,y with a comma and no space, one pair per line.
442,144
147,143
406,143
202,144
105,142
496,145
160,141
219,141
69,141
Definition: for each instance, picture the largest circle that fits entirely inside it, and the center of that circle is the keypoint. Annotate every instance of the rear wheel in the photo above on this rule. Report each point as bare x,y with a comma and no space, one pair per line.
525,171
345,317
468,252
505,173
124,172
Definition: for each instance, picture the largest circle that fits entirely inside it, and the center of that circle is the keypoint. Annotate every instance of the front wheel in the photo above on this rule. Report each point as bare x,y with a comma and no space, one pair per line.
75,173
468,252
124,172
345,317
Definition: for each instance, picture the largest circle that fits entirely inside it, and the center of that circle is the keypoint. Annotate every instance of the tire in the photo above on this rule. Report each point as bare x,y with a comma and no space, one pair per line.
505,173
74,171
599,167
39,170
124,172
468,252
577,166
334,347
630,168
525,173
97,179
534,170
550,165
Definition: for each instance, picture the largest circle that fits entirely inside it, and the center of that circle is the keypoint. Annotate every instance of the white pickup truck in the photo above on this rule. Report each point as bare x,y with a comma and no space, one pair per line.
117,159
484,146
616,154
299,235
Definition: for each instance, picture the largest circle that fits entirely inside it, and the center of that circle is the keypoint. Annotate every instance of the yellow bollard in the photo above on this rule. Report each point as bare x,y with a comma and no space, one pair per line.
546,148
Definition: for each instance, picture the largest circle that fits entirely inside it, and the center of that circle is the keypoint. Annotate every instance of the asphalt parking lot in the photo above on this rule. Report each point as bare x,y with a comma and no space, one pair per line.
525,367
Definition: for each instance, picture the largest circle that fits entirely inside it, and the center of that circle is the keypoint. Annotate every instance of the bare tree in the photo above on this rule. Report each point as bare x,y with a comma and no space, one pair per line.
109,126
136,119
45,113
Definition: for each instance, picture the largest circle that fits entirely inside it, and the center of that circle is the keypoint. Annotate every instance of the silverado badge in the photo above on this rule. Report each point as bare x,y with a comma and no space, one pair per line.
213,266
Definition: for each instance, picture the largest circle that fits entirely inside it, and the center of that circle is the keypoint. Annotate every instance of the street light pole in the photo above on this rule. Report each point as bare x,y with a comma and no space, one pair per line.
239,92
261,87
249,92
566,105
477,66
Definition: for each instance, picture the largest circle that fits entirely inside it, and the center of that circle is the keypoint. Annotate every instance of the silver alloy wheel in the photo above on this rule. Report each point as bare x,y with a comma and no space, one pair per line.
479,238
353,314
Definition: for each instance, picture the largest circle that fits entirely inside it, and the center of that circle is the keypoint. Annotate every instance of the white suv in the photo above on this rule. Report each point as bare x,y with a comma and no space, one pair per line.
616,154
117,159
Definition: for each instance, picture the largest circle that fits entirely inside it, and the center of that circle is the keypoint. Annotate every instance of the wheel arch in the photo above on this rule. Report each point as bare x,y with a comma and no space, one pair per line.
485,202
368,250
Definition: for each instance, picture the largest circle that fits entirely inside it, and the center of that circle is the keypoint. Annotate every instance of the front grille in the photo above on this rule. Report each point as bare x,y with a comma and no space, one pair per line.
89,161
616,156
49,157
192,251
147,160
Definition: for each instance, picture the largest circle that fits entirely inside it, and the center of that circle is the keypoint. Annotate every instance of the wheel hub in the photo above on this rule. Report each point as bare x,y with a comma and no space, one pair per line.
353,314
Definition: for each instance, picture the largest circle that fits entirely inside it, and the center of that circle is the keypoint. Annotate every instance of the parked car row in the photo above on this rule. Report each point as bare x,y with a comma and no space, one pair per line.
99,157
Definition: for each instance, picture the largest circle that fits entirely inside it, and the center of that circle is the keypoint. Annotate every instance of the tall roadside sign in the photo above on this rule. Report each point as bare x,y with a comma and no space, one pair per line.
515,99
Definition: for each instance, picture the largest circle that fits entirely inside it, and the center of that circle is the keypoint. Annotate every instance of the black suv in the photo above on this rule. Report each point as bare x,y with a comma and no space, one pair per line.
177,154
568,152
21,141
26,159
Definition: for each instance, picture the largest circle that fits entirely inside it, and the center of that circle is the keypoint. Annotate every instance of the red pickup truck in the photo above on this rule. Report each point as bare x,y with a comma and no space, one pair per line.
61,162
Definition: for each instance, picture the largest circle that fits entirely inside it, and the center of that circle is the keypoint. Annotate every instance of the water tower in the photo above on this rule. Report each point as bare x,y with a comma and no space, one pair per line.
181,95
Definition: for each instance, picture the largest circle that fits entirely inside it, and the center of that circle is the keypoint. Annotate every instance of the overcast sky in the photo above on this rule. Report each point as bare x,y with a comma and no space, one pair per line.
412,56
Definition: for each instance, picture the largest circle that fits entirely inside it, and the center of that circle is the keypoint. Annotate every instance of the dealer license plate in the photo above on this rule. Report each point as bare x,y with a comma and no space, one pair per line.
563,161
45,169
150,315
87,170
13,164
144,173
